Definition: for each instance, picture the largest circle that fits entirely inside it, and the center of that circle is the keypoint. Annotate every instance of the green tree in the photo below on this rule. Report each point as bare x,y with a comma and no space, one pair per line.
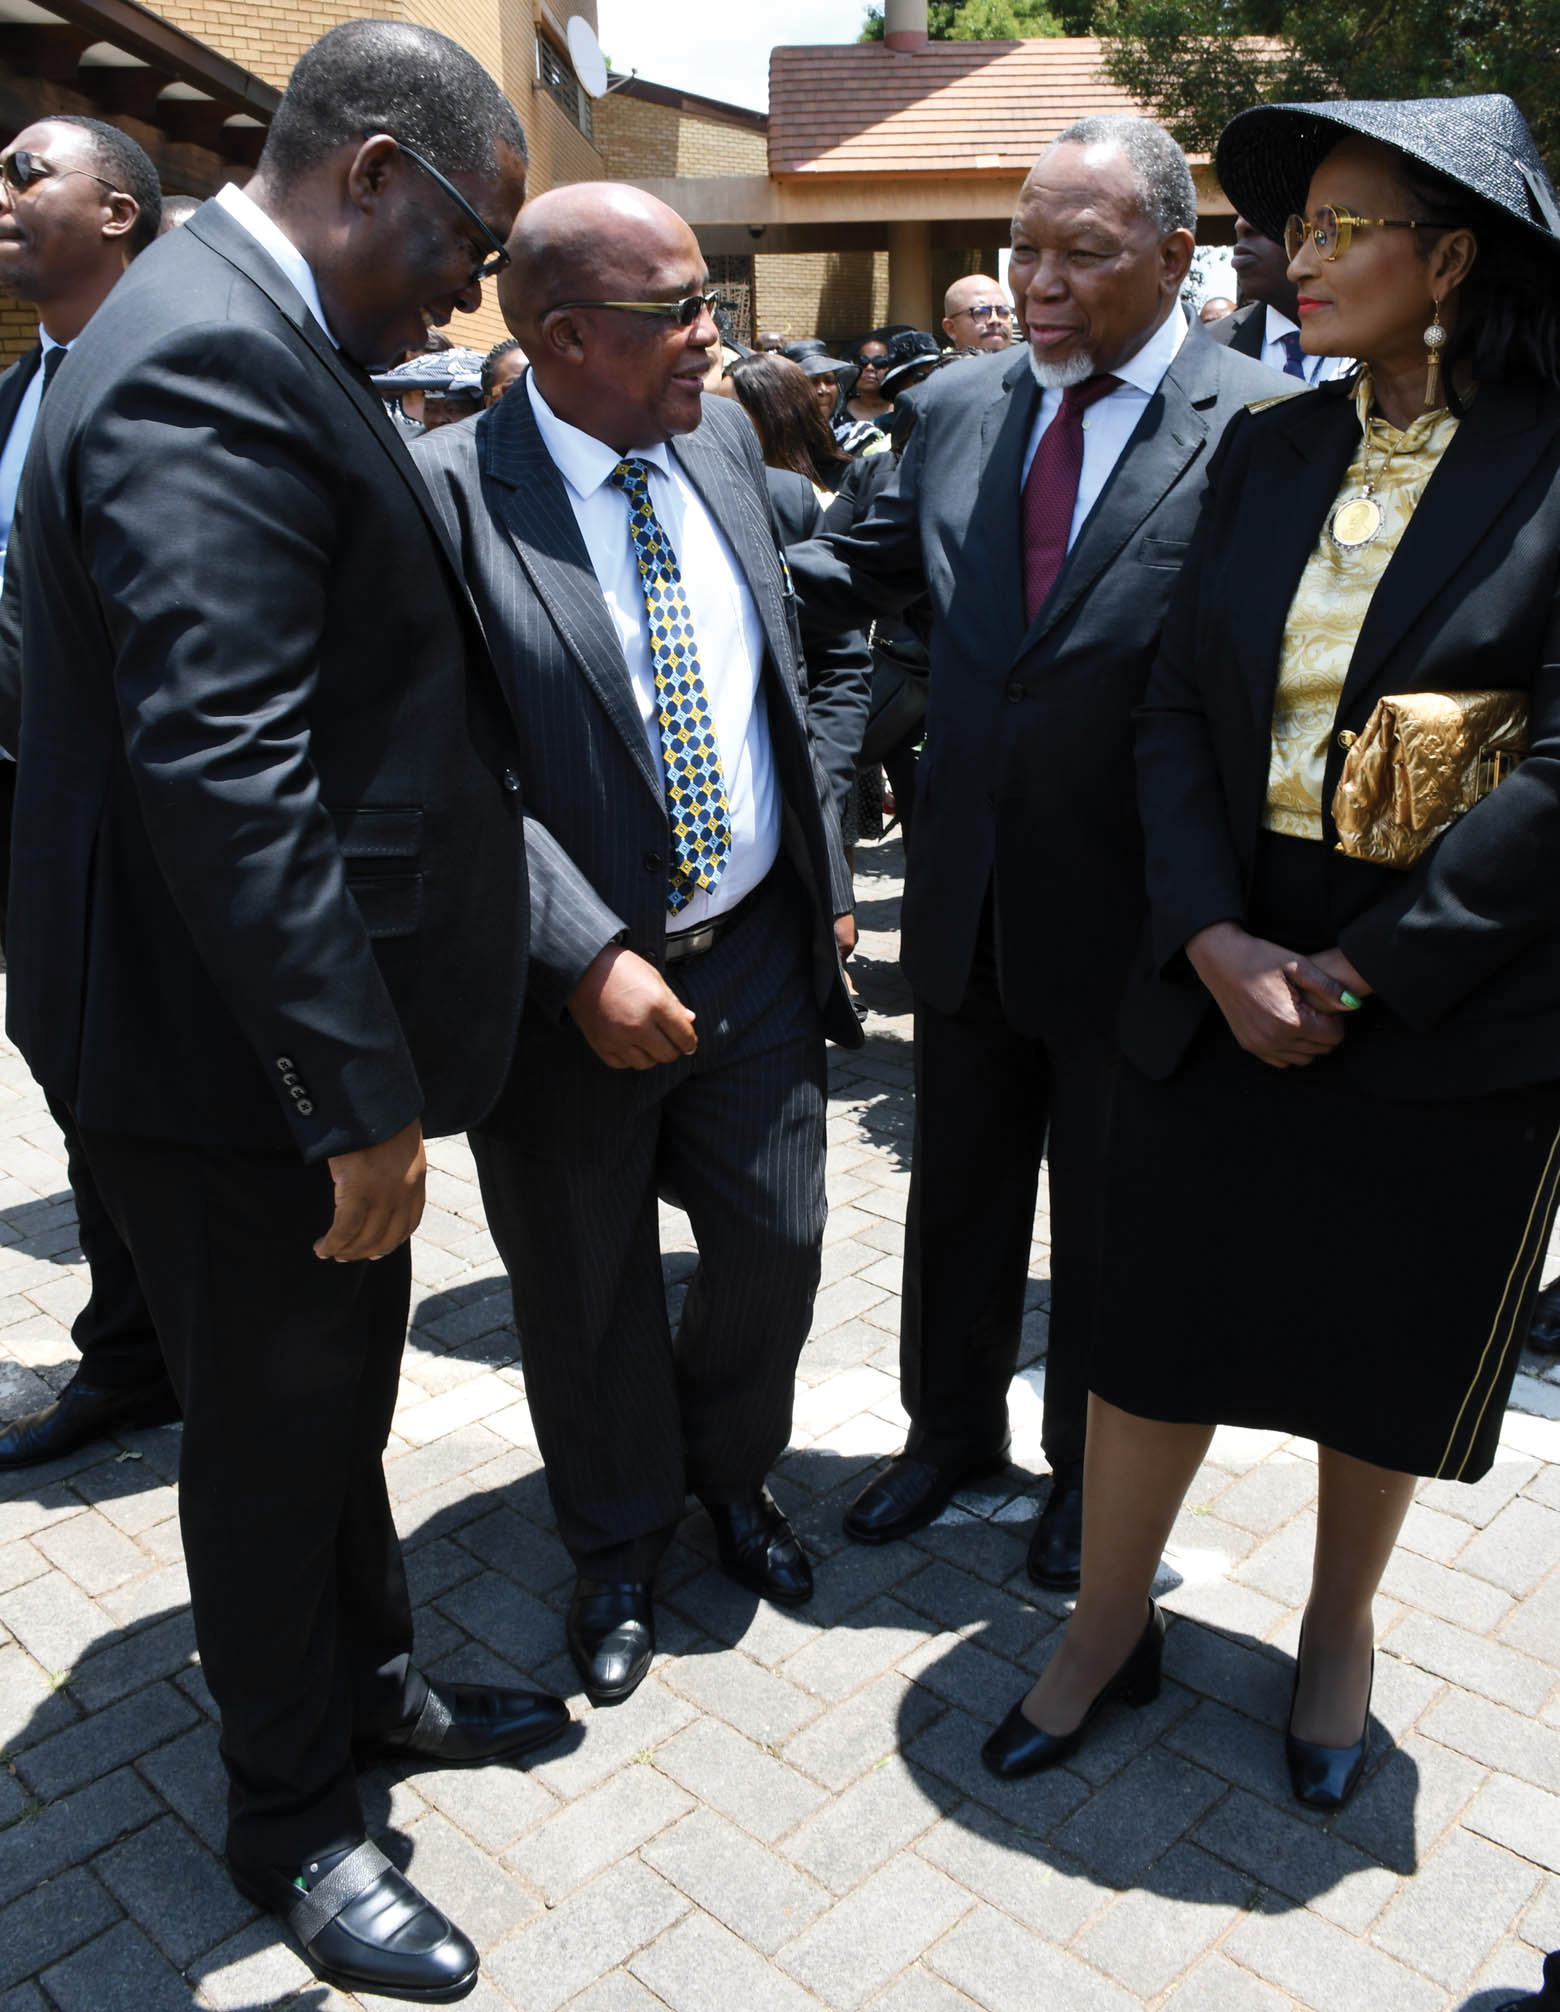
1196,63
995,20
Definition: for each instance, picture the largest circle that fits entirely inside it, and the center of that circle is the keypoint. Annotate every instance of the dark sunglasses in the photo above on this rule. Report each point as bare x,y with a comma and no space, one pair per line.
684,312
488,268
22,171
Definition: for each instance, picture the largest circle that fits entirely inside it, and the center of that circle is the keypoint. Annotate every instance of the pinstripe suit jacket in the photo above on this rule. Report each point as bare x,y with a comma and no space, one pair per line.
596,831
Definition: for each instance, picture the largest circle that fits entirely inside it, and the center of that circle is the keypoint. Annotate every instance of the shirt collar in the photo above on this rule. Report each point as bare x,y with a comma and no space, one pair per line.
47,342
581,459
1279,325
274,241
1144,370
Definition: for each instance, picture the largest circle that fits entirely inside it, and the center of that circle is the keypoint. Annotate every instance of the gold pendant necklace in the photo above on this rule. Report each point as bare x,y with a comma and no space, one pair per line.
1357,519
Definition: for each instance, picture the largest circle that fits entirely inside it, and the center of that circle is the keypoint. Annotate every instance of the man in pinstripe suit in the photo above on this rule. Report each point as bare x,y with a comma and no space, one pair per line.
685,960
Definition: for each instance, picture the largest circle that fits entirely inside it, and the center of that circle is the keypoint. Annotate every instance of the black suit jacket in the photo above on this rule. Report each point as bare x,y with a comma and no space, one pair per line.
1244,331
13,385
268,880
596,830
1026,783
1464,950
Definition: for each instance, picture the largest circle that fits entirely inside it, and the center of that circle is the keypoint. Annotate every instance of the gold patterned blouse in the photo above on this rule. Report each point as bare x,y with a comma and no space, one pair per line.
1330,605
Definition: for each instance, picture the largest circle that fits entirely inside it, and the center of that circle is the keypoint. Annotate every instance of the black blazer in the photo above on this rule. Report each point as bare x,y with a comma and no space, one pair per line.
1026,783
1244,331
268,882
1464,949
596,830
13,385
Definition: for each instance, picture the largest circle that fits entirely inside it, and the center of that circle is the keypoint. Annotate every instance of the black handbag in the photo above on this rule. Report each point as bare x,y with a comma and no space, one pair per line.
901,674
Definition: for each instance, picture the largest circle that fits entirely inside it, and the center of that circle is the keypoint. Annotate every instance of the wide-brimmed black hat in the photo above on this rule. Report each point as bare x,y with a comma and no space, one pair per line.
910,351
1267,156
818,363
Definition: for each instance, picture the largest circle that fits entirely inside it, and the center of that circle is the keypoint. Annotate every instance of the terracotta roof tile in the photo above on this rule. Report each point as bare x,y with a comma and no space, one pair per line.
950,108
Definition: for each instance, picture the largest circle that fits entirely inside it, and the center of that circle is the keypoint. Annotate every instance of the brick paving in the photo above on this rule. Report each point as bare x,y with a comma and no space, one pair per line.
791,1812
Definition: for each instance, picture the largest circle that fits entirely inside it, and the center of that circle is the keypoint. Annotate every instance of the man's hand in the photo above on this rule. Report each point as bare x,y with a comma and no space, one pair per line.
845,935
379,1198
629,1014
1284,1009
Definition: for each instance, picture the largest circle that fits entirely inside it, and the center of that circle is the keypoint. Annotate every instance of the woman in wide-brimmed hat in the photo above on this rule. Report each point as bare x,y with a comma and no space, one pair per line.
1337,1140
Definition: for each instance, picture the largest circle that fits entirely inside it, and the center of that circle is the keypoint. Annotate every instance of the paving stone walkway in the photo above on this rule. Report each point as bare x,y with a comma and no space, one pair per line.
790,1813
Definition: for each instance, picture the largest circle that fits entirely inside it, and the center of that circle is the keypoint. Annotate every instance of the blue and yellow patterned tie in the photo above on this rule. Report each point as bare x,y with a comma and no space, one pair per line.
690,755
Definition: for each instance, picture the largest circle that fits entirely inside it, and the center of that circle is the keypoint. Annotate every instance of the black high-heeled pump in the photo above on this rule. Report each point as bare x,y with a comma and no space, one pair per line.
1019,1747
1325,1777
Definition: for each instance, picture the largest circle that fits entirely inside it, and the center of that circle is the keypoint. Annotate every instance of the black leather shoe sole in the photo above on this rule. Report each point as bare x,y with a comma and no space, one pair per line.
927,1507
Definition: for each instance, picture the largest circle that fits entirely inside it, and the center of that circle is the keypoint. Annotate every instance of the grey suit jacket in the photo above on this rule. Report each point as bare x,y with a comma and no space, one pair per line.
1026,785
596,828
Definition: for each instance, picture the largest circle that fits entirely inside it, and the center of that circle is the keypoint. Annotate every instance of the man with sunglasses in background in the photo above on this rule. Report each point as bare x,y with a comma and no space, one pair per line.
689,895
269,920
78,201
977,314
1267,324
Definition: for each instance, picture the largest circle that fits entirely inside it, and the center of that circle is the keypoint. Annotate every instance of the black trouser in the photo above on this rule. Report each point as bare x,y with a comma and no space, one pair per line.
113,1331
987,1101
286,1368
631,1419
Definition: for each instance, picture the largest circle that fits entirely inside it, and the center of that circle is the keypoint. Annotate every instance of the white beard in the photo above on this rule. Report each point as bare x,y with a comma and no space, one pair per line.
1059,376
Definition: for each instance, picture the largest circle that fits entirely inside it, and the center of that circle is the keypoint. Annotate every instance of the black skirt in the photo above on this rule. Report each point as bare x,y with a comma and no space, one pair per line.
1285,1250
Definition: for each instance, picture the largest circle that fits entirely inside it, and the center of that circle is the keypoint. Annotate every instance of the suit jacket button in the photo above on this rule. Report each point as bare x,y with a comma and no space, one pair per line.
1015,692
653,862
511,782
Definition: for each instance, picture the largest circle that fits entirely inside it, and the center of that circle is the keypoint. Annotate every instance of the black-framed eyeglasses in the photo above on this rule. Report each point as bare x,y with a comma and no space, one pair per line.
684,312
988,309
488,268
1330,230
23,170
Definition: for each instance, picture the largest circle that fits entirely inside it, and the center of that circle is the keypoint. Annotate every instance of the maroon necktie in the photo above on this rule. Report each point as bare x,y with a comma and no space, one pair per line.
1051,492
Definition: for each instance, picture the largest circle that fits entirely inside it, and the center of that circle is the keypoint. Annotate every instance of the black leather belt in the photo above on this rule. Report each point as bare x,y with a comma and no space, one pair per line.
694,942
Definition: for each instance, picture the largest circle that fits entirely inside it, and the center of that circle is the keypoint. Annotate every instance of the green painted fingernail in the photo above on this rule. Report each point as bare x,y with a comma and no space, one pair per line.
1350,1001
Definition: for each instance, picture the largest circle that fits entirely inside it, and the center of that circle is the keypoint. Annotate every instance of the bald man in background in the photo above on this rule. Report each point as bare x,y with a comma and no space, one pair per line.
977,313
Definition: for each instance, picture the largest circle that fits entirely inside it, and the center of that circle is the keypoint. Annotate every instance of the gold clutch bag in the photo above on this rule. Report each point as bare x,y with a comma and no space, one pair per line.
1421,761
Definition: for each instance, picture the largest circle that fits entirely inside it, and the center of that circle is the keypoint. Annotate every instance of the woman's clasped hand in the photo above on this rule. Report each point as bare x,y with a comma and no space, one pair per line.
1285,1009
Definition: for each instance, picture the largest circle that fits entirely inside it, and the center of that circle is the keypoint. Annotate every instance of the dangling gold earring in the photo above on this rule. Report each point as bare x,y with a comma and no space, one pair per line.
1435,342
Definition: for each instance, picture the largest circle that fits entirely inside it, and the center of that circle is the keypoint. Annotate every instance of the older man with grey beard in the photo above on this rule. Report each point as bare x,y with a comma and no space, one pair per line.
1045,502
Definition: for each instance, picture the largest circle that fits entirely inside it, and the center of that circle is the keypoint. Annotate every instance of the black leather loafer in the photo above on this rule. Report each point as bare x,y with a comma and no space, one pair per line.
611,1635
462,1725
1019,1747
1325,1777
759,1549
1544,1334
364,1927
77,1417
911,1493
1056,1549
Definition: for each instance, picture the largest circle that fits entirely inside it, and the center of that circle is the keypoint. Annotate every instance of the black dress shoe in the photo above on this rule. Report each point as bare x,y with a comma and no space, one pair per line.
1018,1747
758,1548
911,1493
611,1634
77,1417
1325,1777
1056,1549
364,1927
461,1725
1544,1334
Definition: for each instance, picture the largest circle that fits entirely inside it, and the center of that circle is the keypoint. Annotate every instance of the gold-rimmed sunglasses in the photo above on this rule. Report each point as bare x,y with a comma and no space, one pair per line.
1330,230
684,312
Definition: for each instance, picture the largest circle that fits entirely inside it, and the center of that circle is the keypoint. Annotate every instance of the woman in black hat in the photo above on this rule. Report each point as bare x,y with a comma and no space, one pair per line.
1337,1141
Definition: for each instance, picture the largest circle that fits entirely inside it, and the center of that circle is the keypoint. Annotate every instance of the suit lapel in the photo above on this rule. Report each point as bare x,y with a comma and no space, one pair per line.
533,506
1492,453
13,388
1167,439
997,501
230,241
738,508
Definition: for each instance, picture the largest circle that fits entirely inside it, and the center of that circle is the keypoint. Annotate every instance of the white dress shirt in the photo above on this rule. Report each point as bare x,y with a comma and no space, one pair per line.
278,246
726,629
1318,369
1110,422
17,442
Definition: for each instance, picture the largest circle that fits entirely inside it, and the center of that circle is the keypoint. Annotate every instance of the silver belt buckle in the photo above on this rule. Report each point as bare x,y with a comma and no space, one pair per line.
691,942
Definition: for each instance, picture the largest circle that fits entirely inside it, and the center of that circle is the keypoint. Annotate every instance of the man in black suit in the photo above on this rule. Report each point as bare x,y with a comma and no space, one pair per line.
78,200
1045,501
689,899
1266,327
268,916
